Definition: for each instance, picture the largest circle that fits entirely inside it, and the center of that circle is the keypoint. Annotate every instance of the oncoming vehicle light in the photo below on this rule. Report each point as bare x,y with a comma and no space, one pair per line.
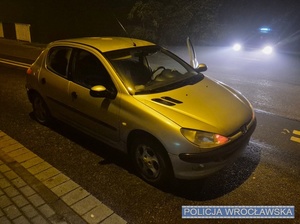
267,50
237,47
204,139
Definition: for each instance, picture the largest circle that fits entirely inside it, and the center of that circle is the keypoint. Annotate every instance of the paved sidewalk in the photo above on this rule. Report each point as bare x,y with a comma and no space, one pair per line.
33,191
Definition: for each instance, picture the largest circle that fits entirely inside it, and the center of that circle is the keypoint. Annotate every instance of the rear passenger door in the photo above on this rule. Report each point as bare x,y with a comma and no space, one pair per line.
54,80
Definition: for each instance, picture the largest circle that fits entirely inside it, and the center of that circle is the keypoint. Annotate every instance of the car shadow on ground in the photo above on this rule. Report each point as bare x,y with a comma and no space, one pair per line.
215,186
107,153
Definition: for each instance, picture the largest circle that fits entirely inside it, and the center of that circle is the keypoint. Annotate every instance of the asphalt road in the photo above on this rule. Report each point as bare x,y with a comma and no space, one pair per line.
266,174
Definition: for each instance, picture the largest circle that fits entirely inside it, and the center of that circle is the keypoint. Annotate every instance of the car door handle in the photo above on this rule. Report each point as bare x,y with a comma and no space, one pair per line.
43,81
74,95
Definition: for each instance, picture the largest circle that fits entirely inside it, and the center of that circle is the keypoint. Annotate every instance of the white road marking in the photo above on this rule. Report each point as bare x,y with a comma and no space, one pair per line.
14,63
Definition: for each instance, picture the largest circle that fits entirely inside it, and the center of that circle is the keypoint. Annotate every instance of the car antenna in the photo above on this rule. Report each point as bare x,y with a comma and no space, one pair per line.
134,44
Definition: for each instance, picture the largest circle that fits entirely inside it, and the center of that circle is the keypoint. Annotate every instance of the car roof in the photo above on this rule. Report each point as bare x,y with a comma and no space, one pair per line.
105,44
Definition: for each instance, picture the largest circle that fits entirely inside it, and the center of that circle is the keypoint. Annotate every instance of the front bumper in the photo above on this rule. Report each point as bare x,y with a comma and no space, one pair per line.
198,165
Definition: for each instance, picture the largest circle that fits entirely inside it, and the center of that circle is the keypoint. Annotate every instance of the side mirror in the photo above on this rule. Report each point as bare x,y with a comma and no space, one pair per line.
101,92
201,68
98,91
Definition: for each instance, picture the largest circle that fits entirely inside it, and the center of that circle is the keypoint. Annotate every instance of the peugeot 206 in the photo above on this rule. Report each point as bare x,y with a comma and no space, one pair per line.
138,97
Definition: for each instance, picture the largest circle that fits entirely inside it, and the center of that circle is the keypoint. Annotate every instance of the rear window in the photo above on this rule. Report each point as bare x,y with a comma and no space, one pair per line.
58,60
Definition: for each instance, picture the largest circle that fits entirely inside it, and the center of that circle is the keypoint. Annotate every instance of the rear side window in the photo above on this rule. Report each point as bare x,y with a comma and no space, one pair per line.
58,60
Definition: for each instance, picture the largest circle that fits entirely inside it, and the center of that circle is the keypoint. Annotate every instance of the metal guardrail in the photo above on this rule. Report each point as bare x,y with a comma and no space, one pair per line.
14,63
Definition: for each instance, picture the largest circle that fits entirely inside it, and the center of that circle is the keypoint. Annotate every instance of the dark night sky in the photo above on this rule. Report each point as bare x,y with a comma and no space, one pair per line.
275,13
55,19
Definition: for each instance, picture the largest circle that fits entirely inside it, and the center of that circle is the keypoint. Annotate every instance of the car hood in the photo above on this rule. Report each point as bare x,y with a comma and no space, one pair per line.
207,105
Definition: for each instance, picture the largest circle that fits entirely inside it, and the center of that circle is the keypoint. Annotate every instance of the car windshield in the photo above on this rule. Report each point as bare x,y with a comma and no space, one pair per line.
151,69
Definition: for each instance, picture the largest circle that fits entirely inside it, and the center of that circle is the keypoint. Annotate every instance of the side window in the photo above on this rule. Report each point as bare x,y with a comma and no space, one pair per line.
57,61
89,71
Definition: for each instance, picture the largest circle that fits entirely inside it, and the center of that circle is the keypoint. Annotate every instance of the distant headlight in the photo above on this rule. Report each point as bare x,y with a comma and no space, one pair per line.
204,139
268,50
237,47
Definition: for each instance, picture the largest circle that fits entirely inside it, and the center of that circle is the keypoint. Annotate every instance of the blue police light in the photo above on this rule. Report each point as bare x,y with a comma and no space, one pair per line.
265,30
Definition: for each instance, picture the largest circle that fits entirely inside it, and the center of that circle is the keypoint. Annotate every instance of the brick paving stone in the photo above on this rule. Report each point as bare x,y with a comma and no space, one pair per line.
27,191
19,182
24,157
12,212
4,220
98,214
6,143
11,191
56,180
4,138
29,211
36,200
39,168
11,175
20,201
17,152
46,174
32,162
4,183
46,210
4,168
64,212
12,147
85,205
39,220
4,201
21,220
64,188
75,196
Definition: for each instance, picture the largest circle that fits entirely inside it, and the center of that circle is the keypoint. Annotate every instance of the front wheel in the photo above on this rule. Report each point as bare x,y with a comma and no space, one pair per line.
40,110
151,161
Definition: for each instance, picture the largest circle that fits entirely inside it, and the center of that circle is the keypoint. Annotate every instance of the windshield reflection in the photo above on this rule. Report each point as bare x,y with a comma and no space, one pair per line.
151,69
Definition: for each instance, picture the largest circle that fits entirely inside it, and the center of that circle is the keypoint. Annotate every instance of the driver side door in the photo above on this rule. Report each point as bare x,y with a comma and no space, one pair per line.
97,116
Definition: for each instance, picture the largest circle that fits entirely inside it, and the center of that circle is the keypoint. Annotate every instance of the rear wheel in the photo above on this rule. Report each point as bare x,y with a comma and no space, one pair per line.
151,161
40,110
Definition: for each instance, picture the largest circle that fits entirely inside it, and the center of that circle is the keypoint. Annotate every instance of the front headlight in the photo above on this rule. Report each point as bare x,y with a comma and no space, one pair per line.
204,139
237,47
268,50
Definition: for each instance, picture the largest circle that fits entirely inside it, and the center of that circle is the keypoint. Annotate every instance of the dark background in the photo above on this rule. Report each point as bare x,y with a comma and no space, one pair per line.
207,22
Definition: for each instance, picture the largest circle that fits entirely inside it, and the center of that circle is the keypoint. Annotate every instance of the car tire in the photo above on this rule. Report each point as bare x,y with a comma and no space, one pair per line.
151,161
40,110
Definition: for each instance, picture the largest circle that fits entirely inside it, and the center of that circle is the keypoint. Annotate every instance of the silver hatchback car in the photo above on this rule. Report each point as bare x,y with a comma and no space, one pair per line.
143,100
